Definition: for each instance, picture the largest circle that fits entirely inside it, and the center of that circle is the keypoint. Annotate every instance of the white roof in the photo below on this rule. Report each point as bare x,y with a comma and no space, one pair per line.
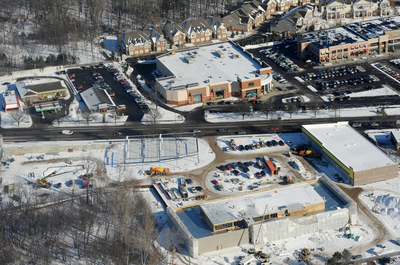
208,66
396,135
93,97
348,146
10,99
232,209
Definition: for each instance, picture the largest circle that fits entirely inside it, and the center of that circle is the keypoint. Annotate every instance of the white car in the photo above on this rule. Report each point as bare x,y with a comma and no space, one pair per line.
67,132
196,131
374,124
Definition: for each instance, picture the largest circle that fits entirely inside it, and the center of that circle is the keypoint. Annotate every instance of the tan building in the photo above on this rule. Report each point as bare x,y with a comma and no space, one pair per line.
41,90
243,210
352,155
364,9
251,15
351,41
135,43
158,42
209,72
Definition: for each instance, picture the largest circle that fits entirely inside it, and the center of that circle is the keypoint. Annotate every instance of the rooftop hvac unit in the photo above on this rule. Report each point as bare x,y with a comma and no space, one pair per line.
188,59
207,81
220,54
172,81
235,56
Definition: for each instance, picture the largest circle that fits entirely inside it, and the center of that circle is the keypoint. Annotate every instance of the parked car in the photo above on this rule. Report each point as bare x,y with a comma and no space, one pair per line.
215,181
228,167
196,131
79,87
224,130
222,167
72,76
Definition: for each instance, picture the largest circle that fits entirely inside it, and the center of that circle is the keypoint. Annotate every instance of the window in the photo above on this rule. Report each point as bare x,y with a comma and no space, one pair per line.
223,226
374,44
251,84
340,50
274,215
334,51
345,49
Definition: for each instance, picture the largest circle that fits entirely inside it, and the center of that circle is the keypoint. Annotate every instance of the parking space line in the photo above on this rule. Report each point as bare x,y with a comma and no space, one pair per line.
373,65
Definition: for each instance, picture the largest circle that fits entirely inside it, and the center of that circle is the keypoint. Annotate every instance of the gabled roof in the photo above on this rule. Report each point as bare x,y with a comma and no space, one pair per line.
135,37
155,34
28,88
196,25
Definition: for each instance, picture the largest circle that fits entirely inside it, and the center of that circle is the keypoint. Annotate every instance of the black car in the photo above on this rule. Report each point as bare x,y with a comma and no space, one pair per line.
199,188
224,130
245,169
236,172
274,142
189,181
241,147
247,147
269,143
263,173
5,84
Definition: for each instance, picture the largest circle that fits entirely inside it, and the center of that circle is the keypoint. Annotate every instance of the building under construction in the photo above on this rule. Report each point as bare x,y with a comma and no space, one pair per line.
263,216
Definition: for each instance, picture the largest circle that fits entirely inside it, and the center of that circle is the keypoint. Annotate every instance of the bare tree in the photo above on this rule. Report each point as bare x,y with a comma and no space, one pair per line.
154,115
17,116
266,109
87,116
243,108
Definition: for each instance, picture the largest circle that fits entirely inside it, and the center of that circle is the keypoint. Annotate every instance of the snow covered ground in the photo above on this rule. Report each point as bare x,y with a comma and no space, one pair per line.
283,115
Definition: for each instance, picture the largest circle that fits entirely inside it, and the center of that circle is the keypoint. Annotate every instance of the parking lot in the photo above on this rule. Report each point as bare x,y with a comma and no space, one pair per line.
86,78
325,86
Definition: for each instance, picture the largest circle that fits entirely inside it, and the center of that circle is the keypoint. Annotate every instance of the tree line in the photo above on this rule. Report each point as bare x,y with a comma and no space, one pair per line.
113,227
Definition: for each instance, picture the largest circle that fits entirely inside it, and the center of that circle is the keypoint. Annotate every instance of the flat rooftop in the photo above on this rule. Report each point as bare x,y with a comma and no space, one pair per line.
232,209
10,99
396,135
348,146
207,65
331,37
374,28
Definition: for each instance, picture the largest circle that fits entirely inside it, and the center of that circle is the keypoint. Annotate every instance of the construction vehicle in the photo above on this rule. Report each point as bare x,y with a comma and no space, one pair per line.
6,163
262,144
233,144
260,164
42,183
159,171
304,255
309,153
258,145
286,179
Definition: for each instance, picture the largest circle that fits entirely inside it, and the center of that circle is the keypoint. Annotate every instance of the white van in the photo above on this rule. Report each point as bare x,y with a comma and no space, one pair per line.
67,132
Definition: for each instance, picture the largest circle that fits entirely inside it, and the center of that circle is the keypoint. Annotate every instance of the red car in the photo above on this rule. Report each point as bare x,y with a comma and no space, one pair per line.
72,76
124,82
222,167
281,143
229,167
215,181
79,87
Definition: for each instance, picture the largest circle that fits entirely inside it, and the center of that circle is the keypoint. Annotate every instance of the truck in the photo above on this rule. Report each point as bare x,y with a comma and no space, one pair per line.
271,167
309,153
67,132
183,192
159,171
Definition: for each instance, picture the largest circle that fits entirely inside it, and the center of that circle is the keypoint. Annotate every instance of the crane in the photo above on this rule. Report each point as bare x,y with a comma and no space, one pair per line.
43,182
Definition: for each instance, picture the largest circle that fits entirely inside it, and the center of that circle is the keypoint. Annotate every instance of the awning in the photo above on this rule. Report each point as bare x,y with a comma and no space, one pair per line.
219,88
198,92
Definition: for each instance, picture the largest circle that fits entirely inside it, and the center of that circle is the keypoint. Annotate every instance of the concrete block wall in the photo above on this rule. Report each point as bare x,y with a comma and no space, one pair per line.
289,227
350,204
191,244
224,240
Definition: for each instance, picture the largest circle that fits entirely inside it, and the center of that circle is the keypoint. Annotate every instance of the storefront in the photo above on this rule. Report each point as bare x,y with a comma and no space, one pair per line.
197,95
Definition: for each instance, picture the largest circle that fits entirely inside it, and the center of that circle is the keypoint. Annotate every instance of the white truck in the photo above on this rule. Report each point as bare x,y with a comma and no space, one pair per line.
67,132
247,260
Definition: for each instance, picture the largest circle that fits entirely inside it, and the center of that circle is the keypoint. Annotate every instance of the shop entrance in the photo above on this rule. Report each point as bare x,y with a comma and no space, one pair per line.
219,94
197,98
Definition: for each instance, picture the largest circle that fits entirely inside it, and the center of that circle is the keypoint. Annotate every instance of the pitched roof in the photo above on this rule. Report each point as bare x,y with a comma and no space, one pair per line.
135,37
93,97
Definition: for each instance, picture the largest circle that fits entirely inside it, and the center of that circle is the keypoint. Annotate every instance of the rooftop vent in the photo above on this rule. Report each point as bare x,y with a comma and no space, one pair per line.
235,56
220,54
188,59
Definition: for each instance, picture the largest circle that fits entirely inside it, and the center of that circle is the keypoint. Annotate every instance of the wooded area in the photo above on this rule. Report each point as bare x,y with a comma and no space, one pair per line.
31,24
115,227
